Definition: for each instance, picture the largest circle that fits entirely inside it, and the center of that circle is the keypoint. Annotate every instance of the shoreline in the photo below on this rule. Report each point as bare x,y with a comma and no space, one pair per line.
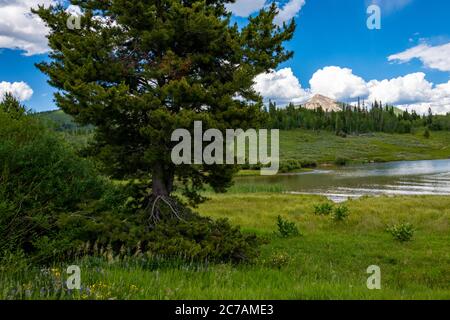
331,166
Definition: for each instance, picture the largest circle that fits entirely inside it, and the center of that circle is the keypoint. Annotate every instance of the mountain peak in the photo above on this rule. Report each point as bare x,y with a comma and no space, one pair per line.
326,103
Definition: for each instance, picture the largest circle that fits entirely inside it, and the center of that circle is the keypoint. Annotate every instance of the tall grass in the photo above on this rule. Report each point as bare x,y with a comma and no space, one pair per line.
328,262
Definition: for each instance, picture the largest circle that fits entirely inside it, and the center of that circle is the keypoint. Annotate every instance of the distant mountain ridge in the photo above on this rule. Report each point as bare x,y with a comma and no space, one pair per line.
320,101
329,105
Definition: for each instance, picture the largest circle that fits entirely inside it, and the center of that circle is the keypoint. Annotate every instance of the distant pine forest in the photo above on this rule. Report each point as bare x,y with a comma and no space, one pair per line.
354,119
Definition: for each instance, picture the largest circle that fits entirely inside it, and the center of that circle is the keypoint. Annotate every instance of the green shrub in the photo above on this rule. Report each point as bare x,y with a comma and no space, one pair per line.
309,163
323,209
286,228
341,213
203,239
118,220
341,161
290,165
402,232
40,179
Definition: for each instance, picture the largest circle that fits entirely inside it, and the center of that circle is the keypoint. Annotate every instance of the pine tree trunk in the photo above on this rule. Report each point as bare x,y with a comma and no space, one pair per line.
162,181
161,205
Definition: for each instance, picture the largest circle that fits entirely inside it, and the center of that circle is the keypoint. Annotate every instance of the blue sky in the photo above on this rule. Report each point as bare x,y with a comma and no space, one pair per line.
333,32
406,62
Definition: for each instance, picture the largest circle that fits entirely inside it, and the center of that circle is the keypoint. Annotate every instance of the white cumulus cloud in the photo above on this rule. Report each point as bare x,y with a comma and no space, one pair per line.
281,86
338,83
289,11
438,101
21,90
244,8
437,57
20,29
412,88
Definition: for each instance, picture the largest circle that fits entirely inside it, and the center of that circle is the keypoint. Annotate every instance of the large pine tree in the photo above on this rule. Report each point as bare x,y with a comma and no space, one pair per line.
140,69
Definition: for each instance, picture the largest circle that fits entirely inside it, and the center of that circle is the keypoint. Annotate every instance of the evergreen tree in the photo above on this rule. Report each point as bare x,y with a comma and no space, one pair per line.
138,70
429,119
12,106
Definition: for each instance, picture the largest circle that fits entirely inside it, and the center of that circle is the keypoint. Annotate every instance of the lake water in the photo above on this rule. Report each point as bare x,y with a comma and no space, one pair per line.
392,178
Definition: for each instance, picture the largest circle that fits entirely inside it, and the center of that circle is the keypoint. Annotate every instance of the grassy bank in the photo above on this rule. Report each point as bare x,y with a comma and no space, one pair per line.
328,261
325,147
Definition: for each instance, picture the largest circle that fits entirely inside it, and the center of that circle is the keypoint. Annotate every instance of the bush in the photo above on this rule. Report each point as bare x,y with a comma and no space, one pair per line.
341,213
118,220
324,209
293,164
309,163
203,239
196,239
40,179
341,161
286,228
290,165
402,232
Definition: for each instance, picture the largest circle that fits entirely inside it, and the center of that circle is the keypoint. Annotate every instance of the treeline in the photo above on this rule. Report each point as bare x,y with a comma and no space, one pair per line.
354,119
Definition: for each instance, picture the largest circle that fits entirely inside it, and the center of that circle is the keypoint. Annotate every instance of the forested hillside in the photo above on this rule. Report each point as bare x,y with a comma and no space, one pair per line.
354,119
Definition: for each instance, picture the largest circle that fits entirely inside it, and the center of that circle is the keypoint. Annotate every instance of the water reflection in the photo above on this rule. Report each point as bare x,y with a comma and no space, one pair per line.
393,178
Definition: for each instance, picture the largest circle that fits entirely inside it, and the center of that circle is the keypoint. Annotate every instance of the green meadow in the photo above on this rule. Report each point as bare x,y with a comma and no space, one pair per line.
325,147
327,261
